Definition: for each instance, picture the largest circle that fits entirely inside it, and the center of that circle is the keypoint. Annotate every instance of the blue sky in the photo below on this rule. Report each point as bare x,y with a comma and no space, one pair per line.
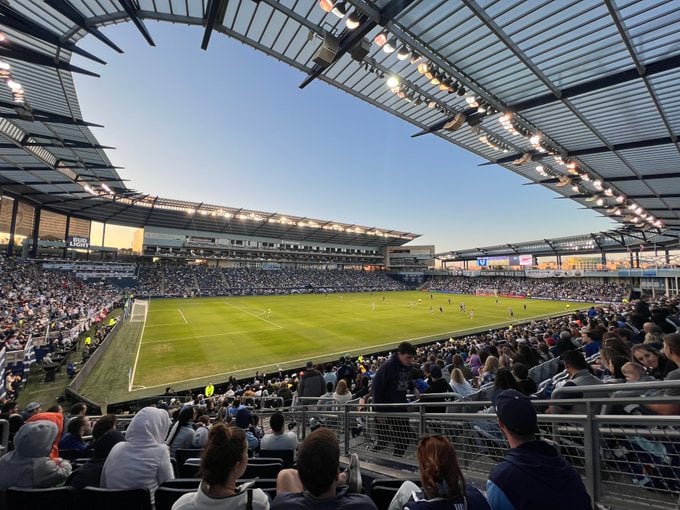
230,126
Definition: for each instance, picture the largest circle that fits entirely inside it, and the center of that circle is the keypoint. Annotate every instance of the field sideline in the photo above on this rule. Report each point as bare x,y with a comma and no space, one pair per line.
193,339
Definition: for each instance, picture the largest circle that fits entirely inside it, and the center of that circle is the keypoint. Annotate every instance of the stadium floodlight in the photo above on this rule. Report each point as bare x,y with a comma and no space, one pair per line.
4,65
393,81
390,46
415,57
353,21
620,199
340,9
381,38
326,5
598,184
600,201
471,101
14,85
423,67
404,53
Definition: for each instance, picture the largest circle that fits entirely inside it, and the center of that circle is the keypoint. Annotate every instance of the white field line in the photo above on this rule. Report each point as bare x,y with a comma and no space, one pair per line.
368,348
167,324
253,315
139,347
209,336
183,317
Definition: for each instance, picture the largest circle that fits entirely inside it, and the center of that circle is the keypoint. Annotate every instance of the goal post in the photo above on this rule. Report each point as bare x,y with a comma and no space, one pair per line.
140,308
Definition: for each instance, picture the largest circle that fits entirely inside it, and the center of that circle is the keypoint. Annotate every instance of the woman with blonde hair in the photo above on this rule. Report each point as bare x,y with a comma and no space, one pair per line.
459,384
223,461
488,372
342,394
443,485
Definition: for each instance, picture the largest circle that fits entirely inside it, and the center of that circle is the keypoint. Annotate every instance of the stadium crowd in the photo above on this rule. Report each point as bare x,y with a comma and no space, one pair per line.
175,280
553,288
34,300
625,343
617,342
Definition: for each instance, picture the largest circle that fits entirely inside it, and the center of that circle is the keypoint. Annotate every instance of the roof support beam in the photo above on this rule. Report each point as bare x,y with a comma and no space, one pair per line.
349,38
66,9
132,8
215,12
18,52
13,19
637,144
659,66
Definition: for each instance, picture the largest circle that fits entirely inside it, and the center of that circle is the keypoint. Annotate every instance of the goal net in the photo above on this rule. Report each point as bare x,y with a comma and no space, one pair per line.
139,311
486,292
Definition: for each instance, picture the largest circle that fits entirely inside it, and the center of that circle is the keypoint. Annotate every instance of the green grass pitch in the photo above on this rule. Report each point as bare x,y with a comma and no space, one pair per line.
191,340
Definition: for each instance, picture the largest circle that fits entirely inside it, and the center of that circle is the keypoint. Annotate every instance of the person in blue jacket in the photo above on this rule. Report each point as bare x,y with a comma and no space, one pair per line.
532,474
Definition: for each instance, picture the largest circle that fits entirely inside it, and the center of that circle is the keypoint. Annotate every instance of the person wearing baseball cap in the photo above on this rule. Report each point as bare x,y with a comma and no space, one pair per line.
532,474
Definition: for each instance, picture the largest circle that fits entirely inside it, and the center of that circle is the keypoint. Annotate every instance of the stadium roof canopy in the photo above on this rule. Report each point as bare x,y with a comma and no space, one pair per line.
614,241
581,97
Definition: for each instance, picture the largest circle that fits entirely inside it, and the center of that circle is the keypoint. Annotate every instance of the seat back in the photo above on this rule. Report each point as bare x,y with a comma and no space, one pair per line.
382,495
57,498
268,470
115,499
286,456
182,483
165,497
181,455
190,468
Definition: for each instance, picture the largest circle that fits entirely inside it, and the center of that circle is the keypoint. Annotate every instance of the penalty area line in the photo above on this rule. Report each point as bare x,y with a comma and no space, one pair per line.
253,315
183,317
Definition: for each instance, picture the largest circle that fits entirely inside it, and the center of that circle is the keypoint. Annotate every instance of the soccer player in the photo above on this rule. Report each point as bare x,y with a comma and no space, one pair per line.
511,313
373,306
441,309
472,314
498,302
525,307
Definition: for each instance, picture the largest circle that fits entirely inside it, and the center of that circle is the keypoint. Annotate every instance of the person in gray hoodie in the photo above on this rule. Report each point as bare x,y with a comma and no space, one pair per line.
29,465
143,459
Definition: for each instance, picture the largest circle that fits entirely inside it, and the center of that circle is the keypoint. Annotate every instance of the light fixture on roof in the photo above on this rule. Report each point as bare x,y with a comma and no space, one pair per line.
620,199
575,188
471,101
432,104
390,46
353,21
393,81
600,201
598,184
14,85
89,189
541,170
327,5
423,67
381,38
340,9
404,53
435,79
415,57
4,65
481,108
535,139
3,37
107,189
563,181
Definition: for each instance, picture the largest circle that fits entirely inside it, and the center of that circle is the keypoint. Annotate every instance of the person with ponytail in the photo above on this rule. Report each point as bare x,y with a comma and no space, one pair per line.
181,434
443,485
223,462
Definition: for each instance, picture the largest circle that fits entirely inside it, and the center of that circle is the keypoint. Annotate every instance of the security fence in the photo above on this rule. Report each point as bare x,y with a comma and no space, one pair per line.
627,461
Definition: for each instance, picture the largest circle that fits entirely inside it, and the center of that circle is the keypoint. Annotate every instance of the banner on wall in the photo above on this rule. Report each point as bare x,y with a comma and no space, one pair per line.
78,242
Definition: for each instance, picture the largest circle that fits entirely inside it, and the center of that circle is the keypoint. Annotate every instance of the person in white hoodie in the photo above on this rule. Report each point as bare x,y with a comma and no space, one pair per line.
143,459
29,465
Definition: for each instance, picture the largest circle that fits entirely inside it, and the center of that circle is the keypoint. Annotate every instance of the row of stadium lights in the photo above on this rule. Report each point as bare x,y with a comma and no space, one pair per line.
12,83
616,204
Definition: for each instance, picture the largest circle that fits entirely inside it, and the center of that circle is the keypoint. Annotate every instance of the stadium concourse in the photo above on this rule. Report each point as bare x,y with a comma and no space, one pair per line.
621,437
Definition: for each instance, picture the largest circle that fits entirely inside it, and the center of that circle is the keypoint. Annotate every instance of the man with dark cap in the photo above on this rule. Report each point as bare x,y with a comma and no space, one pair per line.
244,420
532,474
437,385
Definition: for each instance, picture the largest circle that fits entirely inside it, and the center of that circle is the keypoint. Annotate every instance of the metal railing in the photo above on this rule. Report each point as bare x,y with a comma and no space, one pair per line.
626,461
